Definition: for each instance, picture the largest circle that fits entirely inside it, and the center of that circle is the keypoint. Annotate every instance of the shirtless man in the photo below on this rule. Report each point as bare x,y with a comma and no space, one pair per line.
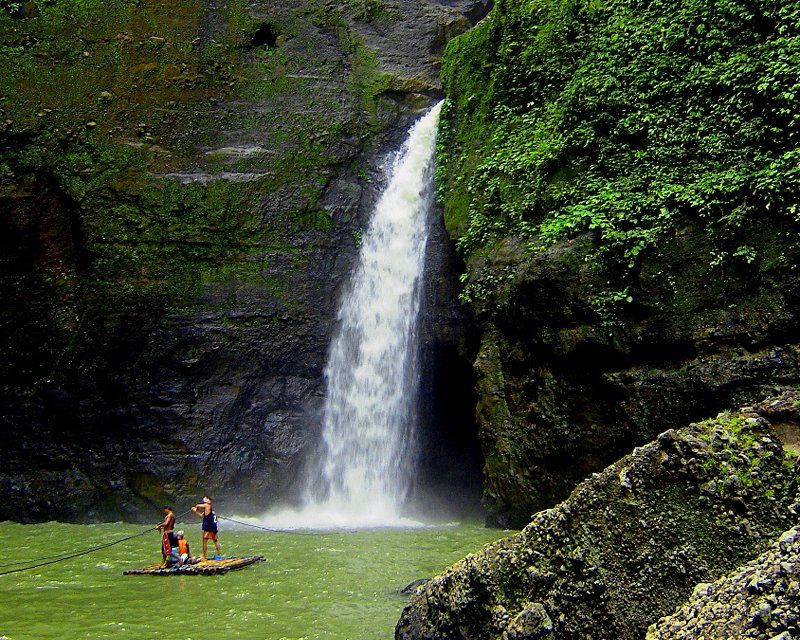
209,526
167,526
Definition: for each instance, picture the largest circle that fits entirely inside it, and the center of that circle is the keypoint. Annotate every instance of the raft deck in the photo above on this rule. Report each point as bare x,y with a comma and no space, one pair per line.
202,568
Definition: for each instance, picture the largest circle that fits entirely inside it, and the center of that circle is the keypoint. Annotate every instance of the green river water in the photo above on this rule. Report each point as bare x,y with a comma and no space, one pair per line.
327,585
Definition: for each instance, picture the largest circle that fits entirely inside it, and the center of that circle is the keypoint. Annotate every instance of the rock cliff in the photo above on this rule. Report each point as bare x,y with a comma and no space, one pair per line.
761,600
621,178
182,189
630,543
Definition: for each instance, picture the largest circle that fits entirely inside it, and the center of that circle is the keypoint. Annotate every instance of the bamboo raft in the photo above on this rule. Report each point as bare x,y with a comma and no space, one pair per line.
202,568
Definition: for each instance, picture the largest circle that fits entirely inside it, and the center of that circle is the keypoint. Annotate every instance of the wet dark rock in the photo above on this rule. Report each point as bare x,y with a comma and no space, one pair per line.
561,394
413,587
218,389
759,600
608,562
532,623
586,352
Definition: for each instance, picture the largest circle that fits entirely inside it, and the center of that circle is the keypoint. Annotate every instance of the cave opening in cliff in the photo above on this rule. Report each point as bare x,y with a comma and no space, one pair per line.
266,35
448,481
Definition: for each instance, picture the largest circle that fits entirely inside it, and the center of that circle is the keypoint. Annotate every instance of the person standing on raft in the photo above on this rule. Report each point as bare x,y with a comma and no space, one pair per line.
168,539
209,526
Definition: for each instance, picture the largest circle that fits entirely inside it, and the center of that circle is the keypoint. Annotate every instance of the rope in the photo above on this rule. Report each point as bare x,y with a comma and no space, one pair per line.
77,553
61,557
19,562
255,526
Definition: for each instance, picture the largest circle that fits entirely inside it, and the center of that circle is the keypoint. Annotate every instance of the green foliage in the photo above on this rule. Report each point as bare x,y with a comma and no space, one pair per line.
10,6
485,284
444,143
626,119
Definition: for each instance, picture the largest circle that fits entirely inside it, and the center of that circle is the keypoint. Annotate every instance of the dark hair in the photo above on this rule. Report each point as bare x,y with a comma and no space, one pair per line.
165,507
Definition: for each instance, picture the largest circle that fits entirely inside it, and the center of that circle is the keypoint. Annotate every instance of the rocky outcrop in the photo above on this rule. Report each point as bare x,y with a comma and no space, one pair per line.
624,274
564,389
761,600
629,544
182,188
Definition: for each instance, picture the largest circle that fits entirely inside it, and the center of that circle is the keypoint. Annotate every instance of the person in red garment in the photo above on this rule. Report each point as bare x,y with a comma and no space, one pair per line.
168,539
205,511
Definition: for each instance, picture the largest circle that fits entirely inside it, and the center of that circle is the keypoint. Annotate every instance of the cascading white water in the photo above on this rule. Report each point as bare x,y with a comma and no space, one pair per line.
373,371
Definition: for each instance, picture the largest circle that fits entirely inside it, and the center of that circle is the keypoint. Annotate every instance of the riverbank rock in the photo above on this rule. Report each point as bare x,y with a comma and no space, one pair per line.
761,600
412,587
630,543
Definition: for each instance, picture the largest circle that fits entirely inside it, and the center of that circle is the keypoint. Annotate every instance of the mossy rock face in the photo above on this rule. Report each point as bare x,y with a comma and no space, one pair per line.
630,543
181,184
566,385
628,222
759,600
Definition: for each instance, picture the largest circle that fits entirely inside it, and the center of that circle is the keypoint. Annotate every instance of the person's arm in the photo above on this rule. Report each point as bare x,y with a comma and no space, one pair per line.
164,523
196,512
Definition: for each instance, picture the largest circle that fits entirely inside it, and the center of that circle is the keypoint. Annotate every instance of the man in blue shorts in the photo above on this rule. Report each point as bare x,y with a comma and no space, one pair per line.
209,526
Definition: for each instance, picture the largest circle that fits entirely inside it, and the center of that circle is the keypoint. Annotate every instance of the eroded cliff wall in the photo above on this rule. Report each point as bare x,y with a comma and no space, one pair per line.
631,543
622,179
182,189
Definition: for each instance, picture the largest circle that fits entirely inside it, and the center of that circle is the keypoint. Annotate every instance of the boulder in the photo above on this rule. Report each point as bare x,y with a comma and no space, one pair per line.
629,544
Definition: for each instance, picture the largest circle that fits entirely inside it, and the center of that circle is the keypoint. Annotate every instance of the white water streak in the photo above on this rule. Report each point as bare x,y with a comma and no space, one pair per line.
373,369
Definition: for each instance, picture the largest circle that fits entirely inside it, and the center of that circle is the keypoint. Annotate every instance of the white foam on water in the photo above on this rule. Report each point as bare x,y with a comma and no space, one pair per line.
329,518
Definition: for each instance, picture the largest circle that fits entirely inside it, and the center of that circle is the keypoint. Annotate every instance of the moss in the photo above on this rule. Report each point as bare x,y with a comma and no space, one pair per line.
559,126
99,97
149,488
66,57
373,11
626,547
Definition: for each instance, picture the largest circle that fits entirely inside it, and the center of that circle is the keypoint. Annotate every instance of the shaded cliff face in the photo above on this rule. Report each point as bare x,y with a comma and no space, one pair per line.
622,180
760,600
630,543
182,188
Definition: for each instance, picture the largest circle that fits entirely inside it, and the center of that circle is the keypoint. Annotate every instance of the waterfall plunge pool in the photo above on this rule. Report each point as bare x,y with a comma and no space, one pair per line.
338,585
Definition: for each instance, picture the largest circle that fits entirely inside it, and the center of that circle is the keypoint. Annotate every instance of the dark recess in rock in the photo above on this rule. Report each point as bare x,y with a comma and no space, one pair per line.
448,482
266,35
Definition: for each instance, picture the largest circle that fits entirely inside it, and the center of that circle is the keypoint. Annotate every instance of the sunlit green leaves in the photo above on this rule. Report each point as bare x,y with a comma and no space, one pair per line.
625,118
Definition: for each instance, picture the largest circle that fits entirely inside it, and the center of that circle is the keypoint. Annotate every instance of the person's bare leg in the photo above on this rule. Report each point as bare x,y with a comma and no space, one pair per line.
216,545
205,547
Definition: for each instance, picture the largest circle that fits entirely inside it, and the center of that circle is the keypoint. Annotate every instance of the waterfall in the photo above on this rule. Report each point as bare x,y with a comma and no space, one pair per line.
373,373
